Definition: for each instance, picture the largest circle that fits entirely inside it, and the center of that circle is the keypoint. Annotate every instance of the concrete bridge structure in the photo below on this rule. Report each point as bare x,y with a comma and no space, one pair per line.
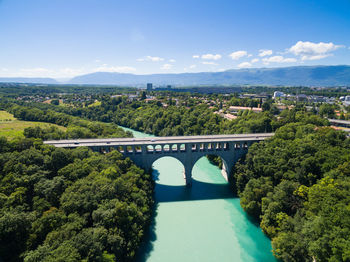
186,149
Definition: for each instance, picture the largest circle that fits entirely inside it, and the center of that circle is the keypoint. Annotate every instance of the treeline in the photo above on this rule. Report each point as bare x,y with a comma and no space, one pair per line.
298,185
326,91
70,205
76,127
154,118
17,89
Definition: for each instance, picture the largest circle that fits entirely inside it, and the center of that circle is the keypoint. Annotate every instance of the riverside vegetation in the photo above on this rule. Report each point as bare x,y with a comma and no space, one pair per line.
297,184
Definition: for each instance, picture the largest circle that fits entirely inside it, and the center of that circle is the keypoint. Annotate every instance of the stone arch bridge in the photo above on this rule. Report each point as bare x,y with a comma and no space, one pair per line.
187,149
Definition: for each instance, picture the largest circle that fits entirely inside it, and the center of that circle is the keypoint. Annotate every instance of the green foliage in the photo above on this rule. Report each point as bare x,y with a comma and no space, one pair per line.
327,110
298,185
70,205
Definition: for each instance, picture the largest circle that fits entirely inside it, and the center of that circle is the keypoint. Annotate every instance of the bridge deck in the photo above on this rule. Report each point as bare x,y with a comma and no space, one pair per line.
159,140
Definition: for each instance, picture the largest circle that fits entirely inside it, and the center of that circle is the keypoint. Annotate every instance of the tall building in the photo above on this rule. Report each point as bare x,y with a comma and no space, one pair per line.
149,86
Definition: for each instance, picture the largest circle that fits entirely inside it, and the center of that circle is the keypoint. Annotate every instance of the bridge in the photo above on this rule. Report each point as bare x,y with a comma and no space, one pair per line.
186,149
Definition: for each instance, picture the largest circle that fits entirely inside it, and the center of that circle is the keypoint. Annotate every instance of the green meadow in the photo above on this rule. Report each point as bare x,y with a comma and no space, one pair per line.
11,128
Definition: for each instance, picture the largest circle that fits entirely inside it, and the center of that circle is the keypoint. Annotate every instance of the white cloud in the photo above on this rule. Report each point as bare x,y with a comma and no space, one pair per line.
150,58
116,69
70,72
313,51
264,52
166,66
195,56
244,65
278,59
172,60
238,54
209,63
38,71
191,67
45,72
211,57
315,57
97,61
255,60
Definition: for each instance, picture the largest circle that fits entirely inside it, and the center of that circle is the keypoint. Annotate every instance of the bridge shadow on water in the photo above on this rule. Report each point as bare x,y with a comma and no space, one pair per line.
175,193
199,191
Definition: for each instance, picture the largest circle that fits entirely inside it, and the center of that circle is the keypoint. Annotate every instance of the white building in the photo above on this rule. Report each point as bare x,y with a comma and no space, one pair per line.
346,101
278,94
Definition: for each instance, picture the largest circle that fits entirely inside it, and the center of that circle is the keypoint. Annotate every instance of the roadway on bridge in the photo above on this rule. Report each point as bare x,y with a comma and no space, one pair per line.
159,140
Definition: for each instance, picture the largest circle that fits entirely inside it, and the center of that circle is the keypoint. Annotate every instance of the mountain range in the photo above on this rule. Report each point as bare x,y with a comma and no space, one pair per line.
36,80
290,76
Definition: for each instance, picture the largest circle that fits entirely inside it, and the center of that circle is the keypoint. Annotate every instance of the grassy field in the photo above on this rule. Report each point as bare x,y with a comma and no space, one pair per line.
5,116
11,128
96,103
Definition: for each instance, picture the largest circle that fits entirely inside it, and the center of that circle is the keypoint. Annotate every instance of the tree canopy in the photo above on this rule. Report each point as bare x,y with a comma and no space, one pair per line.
70,205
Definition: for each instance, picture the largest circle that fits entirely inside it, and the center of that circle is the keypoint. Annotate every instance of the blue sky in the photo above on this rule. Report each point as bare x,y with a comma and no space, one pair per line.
64,38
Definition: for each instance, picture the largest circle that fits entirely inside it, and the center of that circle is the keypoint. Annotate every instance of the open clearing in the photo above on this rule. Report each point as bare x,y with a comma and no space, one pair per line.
11,128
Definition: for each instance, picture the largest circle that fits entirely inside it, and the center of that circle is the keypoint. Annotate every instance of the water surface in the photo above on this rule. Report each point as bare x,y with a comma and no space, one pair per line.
201,223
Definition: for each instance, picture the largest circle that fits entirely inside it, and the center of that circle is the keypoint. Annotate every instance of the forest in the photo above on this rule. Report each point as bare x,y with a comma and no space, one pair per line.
297,185
70,205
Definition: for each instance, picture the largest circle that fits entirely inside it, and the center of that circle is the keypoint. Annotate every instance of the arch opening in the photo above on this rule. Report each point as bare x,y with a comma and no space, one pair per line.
158,148
218,161
138,149
182,147
129,149
150,149
120,149
194,147
169,165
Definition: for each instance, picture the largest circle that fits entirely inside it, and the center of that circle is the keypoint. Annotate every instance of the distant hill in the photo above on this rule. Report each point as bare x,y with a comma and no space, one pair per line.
290,76
36,80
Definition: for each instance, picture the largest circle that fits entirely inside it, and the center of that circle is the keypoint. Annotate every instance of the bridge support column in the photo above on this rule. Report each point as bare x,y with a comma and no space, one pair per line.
188,175
226,169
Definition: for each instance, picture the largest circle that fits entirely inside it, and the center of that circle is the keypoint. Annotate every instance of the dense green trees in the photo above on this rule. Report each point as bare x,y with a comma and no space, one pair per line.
298,184
155,119
70,205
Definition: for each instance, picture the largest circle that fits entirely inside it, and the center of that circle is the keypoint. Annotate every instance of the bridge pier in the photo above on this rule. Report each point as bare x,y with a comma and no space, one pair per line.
188,175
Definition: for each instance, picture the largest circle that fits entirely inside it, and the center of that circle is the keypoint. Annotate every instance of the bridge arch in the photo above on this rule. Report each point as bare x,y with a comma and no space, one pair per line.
178,160
226,163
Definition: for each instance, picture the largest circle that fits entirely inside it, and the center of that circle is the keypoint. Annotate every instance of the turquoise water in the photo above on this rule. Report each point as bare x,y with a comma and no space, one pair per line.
201,223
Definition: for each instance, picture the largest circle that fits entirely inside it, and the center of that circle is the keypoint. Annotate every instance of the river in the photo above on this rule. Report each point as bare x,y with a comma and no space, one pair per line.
202,223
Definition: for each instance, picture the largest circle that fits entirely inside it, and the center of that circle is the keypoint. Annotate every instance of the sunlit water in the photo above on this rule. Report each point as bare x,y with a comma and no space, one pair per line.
201,223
